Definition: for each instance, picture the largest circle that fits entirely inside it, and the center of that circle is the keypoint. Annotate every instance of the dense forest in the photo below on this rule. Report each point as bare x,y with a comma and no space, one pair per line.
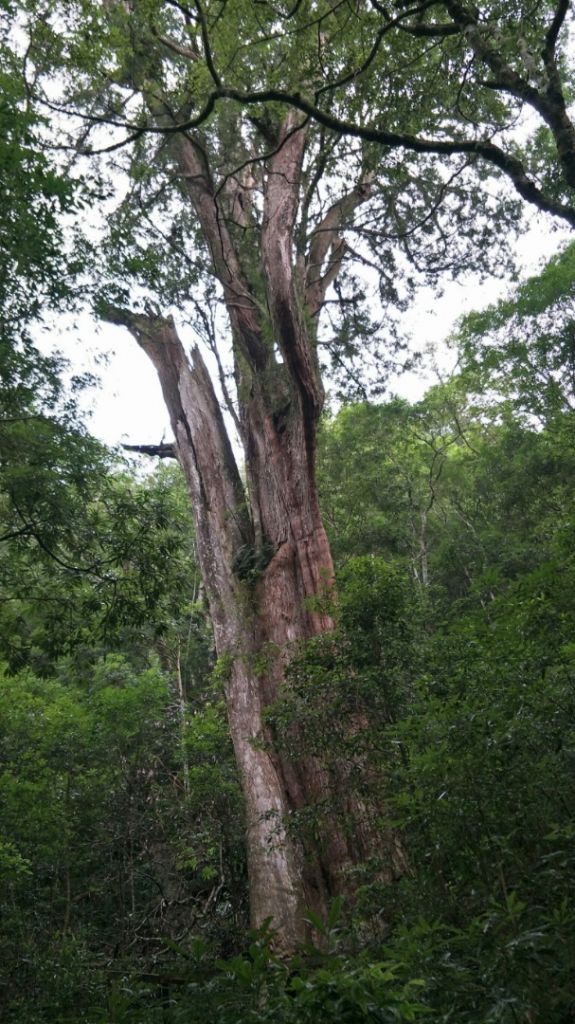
287,706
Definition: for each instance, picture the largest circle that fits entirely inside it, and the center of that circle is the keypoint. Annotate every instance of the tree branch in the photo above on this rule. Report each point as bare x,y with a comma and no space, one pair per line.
510,165
193,162
203,447
485,150
550,104
206,44
555,27
165,450
325,238
281,200
390,24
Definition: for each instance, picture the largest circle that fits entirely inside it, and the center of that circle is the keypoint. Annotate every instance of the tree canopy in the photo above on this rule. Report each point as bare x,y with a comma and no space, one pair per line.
286,729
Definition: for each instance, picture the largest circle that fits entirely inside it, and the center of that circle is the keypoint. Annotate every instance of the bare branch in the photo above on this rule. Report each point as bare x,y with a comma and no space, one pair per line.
182,51
201,440
165,450
325,238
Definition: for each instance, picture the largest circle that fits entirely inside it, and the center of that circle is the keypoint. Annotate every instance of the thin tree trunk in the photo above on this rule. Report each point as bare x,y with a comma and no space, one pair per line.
423,549
182,716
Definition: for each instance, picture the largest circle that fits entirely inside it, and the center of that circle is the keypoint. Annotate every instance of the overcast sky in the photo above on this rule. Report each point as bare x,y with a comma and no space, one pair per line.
129,407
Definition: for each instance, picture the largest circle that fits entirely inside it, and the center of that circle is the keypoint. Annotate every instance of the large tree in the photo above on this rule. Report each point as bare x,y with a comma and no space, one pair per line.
248,223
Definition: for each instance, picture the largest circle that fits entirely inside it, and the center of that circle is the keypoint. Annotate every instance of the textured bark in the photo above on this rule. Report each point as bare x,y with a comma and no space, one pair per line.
263,550
256,624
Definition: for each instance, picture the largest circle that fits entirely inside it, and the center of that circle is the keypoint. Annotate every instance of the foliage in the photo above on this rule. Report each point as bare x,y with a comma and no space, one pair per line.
35,271
115,833
483,789
523,348
463,707
449,488
120,807
442,702
486,801
406,216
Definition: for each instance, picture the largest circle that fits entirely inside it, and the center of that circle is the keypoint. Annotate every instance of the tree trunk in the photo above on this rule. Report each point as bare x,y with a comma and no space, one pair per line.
259,613
263,550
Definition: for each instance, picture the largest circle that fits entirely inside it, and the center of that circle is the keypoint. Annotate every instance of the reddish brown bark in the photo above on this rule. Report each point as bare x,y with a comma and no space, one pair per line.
256,625
261,615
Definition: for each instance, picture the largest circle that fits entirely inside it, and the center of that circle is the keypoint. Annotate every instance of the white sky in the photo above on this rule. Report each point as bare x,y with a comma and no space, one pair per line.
128,408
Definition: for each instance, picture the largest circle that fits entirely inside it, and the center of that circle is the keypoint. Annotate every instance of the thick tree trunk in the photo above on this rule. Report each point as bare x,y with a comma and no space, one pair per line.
263,551
260,612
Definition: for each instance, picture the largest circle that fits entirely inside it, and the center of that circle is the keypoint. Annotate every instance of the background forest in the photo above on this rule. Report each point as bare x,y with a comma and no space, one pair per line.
123,874
440,705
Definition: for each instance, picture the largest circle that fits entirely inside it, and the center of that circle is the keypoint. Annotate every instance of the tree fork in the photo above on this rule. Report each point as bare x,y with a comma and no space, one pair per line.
284,882
258,625
261,617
